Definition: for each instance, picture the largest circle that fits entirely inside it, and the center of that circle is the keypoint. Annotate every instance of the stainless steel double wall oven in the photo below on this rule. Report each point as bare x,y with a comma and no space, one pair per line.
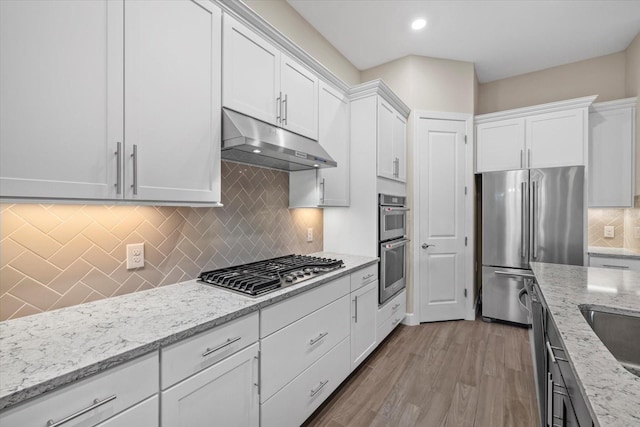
392,247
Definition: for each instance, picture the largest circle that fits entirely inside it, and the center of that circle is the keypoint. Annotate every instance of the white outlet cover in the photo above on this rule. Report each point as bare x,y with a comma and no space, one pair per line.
309,234
135,256
609,231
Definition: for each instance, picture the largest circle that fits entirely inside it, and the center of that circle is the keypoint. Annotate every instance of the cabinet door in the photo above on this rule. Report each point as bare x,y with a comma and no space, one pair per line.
172,100
611,158
225,394
500,146
364,306
334,137
61,104
250,73
386,117
556,139
299,88
400,147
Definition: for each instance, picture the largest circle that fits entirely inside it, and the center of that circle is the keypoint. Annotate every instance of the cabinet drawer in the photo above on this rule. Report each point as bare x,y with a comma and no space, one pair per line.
279,315
364,276
119,388
614,263
394,307
187,357
143,414
294,403
388,325
293,349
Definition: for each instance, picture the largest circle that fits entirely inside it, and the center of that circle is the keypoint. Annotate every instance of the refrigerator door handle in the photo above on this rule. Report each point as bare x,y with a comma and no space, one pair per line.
523,220
534,218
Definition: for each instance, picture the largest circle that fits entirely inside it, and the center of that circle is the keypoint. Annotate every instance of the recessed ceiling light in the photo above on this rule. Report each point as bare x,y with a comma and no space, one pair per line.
256,151
419,24
316,165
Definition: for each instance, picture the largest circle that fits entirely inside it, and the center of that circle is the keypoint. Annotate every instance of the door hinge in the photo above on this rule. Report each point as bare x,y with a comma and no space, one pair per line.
465,293
465,241
465,139
465,190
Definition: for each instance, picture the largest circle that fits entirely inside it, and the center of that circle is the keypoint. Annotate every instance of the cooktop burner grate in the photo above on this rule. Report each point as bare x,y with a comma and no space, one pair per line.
259,278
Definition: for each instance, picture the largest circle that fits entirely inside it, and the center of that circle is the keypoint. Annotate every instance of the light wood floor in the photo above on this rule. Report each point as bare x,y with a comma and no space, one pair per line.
459,373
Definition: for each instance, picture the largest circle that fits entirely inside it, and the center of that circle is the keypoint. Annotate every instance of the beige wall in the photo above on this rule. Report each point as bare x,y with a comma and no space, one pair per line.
633,89
290,23
603,76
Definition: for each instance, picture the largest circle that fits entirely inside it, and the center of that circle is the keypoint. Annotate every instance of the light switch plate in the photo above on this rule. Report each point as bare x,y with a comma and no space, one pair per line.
135,256
309,234
609,231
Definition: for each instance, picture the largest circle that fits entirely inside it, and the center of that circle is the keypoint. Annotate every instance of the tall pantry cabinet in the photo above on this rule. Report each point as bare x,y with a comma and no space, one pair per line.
98,107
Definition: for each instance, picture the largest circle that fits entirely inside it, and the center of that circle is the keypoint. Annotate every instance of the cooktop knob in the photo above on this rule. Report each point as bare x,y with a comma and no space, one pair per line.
289,278
316,270
307,271
299,274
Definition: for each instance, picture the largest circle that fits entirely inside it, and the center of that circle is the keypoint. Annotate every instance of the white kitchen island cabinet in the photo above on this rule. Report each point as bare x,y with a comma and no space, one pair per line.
392,143
542,136
225,394
73,130
364,307
612,153
326,186
264,83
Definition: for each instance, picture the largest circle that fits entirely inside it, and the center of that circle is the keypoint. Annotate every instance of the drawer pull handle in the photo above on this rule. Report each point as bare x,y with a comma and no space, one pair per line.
317,389
368,276
395,307
623,267
559,392
229,341
395,322
96,403
553,356
315,340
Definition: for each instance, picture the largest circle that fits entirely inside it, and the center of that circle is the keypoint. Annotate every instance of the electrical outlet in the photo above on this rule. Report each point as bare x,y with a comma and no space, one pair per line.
309,234
135,256
609,231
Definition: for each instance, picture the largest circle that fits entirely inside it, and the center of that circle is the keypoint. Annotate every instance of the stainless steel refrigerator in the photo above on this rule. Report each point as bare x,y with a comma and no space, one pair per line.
527,215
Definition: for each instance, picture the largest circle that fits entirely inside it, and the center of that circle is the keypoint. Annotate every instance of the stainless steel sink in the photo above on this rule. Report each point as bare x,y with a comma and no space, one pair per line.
620,333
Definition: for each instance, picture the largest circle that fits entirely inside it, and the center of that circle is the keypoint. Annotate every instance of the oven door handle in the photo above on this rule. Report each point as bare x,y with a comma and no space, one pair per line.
393,245
391,209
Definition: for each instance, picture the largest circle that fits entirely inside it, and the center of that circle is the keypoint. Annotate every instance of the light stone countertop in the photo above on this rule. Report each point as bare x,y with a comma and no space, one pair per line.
612,392
44,351
613,252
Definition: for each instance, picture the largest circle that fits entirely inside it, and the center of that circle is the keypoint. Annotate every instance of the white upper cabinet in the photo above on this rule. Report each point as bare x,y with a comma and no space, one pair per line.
500,145
612,153
70,126
172,100
61,103
391,142
326,186
262,82
542,136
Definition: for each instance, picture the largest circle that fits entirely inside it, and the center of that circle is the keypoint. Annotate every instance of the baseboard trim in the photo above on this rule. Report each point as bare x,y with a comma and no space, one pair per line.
411,320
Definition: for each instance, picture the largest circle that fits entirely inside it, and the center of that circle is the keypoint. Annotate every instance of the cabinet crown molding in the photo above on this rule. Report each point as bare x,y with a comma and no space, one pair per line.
614,105
536,109
379,87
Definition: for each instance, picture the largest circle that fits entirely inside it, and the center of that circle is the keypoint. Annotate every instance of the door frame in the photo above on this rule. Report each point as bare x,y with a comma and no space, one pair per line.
469,262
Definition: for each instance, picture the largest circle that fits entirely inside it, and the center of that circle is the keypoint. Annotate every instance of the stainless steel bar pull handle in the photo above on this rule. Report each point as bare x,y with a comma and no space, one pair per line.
96,404
134,155
285,116
228,342
118,154
623,267
355,317
521,158
523,220
322,191
549,400
318,338
534,218
317,389
550,351
279,108
509,273
395,306
529,157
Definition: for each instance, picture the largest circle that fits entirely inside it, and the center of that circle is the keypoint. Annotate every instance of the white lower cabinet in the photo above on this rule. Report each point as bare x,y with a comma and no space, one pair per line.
391,315
614,263
225,394
143,414
364,307
93,400
298,399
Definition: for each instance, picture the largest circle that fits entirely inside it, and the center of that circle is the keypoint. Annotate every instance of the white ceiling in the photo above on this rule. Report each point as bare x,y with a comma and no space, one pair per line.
503,38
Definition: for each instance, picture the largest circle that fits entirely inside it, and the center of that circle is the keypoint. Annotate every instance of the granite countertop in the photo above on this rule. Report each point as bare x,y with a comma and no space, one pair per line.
613,252
613,392
42,352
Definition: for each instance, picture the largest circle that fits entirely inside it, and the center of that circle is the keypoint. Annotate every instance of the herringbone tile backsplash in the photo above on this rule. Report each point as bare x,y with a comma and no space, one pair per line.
53,256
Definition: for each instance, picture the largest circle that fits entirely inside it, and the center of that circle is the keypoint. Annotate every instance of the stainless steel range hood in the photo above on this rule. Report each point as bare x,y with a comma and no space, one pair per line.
248,140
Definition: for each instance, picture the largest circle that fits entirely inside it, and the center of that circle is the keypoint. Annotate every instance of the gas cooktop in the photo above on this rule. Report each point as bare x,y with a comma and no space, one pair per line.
258,278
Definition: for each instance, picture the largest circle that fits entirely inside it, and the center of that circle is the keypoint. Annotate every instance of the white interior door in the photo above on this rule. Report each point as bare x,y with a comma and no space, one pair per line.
442,221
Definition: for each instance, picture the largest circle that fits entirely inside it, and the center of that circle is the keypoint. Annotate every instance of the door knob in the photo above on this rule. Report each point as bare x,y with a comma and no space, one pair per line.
425,246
